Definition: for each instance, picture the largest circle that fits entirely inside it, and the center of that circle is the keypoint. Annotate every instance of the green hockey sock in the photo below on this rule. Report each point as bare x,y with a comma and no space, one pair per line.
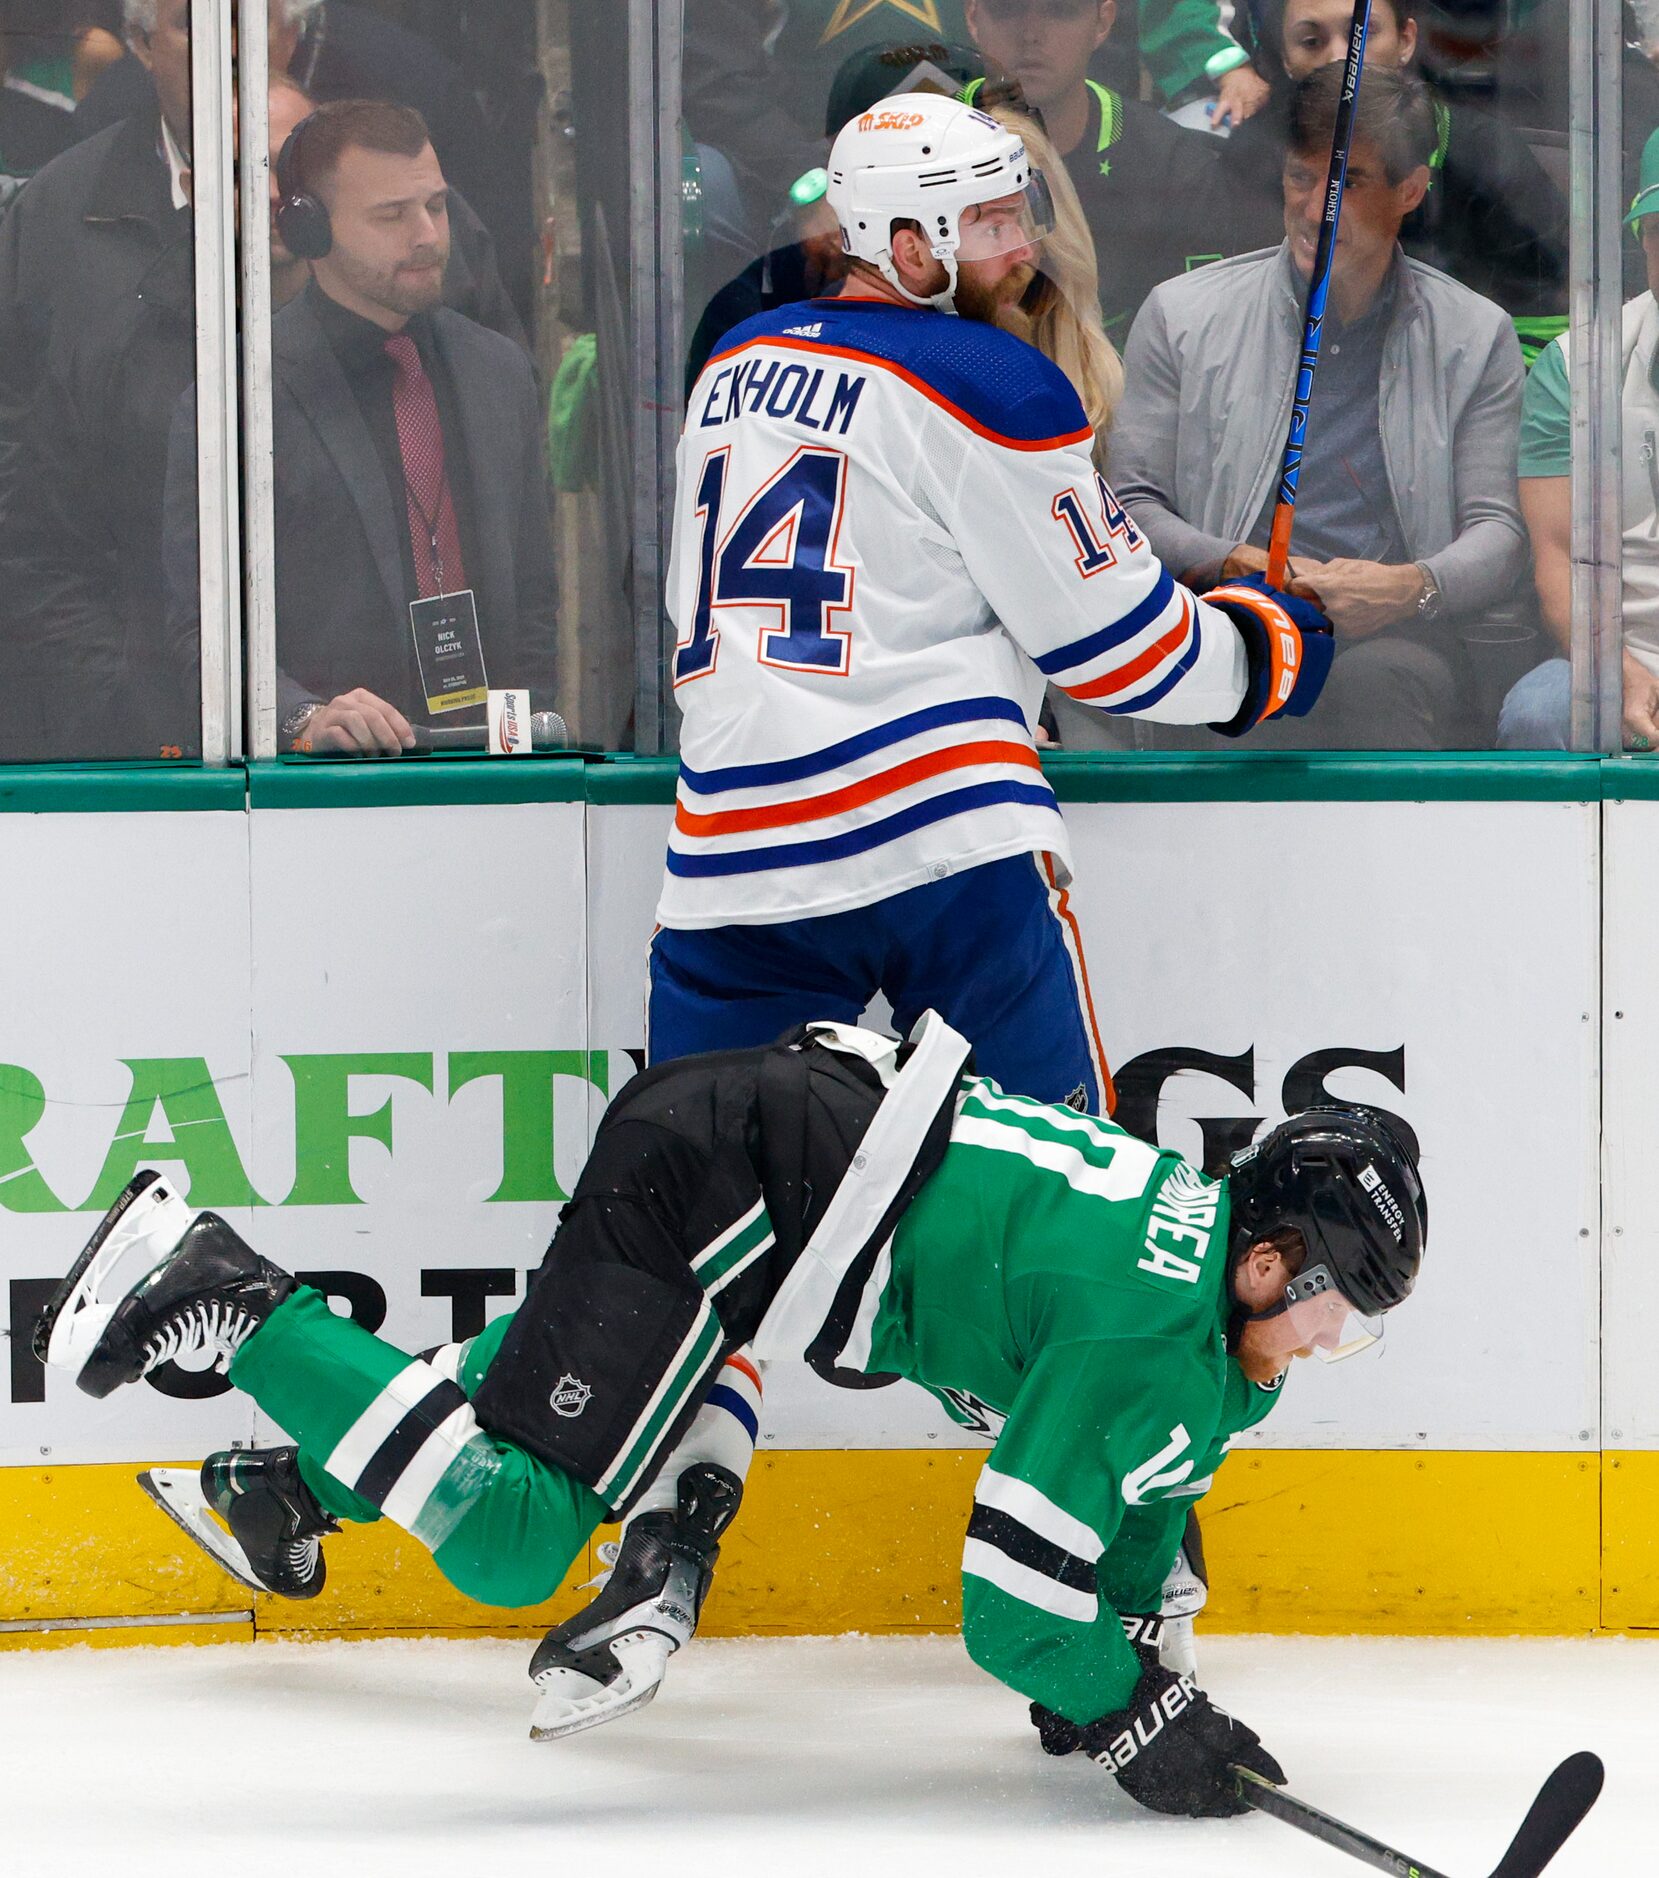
384,1433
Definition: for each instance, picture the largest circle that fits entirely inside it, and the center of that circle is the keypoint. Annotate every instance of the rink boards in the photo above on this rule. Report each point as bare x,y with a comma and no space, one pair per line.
374,1017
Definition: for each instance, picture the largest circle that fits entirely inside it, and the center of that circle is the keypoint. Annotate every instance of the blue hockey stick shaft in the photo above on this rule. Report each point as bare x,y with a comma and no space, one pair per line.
1319,284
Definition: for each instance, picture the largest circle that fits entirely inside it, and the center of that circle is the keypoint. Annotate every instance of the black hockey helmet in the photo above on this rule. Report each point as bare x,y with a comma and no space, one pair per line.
1346,1177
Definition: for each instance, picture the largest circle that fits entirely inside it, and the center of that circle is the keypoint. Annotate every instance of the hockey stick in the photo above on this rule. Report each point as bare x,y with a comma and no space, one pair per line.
1319,285
1553,1817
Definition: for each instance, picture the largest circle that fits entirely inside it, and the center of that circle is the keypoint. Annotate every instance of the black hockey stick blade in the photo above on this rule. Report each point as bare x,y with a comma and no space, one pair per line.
1554,1815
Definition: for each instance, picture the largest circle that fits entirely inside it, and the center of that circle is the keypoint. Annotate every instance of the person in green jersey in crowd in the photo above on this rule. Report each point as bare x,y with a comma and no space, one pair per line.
1537,712
1113,1314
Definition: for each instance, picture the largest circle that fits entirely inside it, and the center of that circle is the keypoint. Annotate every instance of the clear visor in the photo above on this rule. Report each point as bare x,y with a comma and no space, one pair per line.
1019,220
1314,1315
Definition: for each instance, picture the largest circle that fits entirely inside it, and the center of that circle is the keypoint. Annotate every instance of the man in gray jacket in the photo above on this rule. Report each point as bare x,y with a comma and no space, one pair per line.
1408,528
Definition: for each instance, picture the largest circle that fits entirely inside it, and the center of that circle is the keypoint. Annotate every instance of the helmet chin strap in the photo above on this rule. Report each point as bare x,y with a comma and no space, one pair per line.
943,302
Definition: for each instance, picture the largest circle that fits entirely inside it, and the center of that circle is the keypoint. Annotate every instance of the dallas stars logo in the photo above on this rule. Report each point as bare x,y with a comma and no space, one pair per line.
848,13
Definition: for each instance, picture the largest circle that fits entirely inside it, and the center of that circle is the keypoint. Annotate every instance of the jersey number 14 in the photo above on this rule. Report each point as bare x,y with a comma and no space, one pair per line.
778,553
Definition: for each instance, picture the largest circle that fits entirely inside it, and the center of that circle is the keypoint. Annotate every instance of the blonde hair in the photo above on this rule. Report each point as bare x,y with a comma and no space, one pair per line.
1060,313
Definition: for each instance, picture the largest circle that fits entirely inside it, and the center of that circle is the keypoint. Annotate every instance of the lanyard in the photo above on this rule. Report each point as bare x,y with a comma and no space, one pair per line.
430,523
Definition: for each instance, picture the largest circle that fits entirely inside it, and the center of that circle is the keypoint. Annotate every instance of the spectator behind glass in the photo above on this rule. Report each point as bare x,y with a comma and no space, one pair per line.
755,112
411,492
1537,713
1148,188
1492,218
1187,48
473,283
1407,526
97,340
51,51
333,50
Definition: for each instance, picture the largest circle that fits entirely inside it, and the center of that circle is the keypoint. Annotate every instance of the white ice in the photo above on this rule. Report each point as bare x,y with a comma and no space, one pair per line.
852,1756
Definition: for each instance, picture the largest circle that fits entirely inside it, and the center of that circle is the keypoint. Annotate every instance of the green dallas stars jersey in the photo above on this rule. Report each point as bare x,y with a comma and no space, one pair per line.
1062,1285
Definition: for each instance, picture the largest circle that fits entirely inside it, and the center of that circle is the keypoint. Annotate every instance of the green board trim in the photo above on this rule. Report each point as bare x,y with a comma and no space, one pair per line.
633,779
418,782
1323,776
1077,776
1631,779
119,789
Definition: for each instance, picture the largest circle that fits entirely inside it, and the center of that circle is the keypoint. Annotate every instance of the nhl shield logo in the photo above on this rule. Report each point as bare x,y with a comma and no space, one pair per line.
570,1397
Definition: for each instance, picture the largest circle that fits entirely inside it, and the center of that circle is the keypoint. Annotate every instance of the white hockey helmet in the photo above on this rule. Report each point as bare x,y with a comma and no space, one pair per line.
923,158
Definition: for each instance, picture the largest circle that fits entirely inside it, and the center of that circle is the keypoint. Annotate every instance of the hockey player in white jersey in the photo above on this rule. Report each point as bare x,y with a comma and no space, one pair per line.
889,535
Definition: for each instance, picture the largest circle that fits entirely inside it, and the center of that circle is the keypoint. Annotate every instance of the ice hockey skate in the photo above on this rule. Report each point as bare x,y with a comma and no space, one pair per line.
253,1515
158,1280
609,1659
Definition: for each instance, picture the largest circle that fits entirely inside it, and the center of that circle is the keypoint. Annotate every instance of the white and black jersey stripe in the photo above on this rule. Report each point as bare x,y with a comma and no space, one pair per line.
1025,1545
402,1452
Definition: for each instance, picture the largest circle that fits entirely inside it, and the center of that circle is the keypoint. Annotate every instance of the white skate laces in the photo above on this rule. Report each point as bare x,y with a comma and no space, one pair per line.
303,1555
207,1325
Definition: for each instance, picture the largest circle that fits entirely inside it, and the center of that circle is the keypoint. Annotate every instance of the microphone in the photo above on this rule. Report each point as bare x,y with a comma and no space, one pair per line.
548,731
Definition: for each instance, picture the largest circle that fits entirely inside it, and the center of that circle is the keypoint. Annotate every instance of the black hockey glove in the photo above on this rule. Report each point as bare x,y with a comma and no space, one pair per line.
1289,644
1171,1746
1059,1736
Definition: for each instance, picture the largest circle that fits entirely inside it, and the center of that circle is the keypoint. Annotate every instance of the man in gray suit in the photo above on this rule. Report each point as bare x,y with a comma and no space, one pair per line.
1408,527
414,563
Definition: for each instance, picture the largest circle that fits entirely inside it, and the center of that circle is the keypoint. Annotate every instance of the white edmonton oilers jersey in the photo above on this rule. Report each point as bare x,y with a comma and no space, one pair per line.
888,534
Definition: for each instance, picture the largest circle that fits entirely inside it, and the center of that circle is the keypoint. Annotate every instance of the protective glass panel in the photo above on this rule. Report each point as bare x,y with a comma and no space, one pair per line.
450,410
1638,361
1187,147
98,635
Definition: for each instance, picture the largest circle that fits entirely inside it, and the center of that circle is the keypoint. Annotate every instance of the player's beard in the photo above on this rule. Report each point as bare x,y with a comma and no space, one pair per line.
992,302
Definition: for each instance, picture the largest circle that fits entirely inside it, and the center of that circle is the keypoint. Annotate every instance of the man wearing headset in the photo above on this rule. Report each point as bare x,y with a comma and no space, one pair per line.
414,563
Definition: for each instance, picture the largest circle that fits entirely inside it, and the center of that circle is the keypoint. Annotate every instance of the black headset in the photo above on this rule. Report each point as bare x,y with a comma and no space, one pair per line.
301,217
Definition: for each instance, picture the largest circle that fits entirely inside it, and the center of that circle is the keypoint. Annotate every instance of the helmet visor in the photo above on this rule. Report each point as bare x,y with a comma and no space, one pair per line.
1314,1315
1018,220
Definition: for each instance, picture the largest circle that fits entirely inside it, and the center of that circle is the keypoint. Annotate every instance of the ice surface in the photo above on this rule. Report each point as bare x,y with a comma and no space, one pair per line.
852,1756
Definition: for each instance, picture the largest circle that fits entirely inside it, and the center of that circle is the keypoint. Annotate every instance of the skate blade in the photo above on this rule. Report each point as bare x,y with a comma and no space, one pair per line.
571,1703
178,1492
121,1254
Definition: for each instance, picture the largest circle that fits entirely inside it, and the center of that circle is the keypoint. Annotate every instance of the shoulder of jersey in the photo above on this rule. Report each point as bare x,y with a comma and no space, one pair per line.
990,381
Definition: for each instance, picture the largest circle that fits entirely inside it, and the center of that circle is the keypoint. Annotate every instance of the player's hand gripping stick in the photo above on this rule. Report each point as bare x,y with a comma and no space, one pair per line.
1319,285
1553,1817
1288,647
1174,1751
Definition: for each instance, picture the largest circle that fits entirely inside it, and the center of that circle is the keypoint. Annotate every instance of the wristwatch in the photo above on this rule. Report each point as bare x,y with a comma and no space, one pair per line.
293,725
1428,601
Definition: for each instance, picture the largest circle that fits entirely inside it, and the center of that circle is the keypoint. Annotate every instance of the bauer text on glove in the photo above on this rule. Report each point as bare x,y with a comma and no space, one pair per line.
1171,1748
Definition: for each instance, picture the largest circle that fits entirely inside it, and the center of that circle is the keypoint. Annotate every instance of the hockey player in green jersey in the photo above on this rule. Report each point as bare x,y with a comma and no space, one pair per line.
875,1207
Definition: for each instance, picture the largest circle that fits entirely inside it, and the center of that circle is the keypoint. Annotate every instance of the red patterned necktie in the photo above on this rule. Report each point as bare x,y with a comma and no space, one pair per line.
432,530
